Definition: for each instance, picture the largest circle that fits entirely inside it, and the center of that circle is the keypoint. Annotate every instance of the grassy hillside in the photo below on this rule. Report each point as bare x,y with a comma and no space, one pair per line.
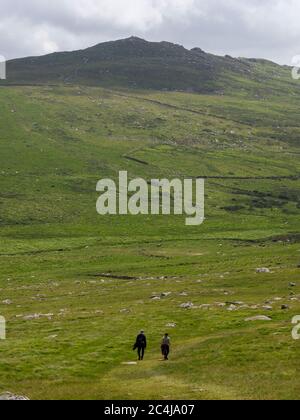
77,287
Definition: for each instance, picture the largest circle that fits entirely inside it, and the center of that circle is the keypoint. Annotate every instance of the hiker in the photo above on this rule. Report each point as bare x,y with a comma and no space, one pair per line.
141,344
165,346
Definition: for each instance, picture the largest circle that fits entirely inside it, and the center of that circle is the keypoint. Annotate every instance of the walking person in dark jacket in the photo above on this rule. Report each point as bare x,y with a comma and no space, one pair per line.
141,345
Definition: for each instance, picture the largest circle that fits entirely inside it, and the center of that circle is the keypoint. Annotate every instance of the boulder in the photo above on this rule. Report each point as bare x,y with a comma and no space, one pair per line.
7,396
235,303
267,308
263,270
187,305
258,318
205,306
165,294
7,302
38,316
232,308
125,311
220,304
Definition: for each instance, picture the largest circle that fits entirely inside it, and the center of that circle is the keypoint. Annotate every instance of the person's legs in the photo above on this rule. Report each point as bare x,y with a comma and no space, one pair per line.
141,353
167,352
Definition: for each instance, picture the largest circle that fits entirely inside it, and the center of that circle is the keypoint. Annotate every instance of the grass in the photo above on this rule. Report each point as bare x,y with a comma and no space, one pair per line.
56,143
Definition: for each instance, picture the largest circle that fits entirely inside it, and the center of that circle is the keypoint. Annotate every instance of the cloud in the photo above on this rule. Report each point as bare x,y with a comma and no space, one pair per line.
257,28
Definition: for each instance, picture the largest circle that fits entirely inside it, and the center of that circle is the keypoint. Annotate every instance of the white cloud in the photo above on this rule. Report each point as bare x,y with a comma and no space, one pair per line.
265,28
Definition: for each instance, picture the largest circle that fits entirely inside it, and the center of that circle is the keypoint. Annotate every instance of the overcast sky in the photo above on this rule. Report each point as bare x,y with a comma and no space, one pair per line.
250,28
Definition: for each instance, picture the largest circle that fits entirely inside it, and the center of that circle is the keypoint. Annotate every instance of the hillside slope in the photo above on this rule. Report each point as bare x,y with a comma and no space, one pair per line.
136,63
77,287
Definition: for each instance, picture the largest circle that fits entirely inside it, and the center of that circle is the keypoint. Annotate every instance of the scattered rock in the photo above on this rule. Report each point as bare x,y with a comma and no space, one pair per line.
232,308
220,304
7,302
235,303
268,308
199,390
125,311
244,307
52,337
204,306
39,297
293,284
187,305
38,316
285,307
63,311
7,396
263,270
171,325
165,294
129,363
258,318
158,296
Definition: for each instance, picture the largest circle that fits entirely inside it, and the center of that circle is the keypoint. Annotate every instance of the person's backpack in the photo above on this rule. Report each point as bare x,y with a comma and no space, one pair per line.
141,341
166,341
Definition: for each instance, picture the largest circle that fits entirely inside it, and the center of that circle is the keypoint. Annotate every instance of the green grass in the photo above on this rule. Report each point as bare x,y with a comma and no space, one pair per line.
55,145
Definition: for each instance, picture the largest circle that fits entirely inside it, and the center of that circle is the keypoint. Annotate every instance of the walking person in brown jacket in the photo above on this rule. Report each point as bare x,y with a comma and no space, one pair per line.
165,346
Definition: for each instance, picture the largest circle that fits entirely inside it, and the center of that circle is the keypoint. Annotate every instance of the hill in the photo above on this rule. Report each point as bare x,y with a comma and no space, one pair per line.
136,63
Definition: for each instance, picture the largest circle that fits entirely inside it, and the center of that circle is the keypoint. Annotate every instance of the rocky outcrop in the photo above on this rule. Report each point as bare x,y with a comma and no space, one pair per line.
7,396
